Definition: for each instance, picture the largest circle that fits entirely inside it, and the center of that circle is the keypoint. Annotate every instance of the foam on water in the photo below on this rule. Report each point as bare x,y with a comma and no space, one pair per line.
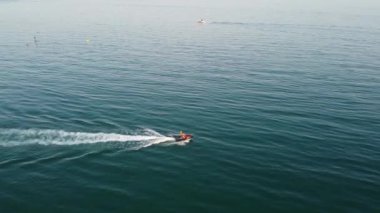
17,137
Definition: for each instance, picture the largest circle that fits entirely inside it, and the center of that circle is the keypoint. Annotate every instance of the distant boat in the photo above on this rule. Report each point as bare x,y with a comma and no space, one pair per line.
202,21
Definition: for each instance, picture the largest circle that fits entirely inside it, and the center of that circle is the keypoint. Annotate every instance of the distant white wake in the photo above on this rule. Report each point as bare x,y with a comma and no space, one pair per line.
17,137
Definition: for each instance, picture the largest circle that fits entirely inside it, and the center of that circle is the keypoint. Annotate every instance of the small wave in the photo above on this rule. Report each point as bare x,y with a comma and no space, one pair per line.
18,137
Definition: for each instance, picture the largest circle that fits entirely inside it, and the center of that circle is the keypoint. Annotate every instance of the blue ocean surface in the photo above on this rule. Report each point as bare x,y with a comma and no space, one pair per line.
284,108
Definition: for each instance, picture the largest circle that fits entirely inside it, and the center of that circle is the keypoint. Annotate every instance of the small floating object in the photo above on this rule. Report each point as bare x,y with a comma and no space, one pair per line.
88,41
35,41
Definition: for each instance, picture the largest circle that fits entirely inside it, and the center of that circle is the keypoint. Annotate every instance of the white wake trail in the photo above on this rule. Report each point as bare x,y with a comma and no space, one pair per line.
17,137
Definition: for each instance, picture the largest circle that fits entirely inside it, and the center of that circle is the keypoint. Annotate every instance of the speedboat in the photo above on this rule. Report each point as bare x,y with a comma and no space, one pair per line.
183,137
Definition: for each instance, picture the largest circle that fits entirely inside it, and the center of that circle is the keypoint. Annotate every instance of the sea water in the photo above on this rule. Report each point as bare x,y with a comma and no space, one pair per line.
284,106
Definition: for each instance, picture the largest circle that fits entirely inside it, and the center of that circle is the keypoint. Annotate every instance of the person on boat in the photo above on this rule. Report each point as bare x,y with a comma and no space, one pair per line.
182,135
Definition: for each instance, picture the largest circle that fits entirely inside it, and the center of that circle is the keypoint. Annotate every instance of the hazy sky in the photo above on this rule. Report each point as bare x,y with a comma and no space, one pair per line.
329,5
315,5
